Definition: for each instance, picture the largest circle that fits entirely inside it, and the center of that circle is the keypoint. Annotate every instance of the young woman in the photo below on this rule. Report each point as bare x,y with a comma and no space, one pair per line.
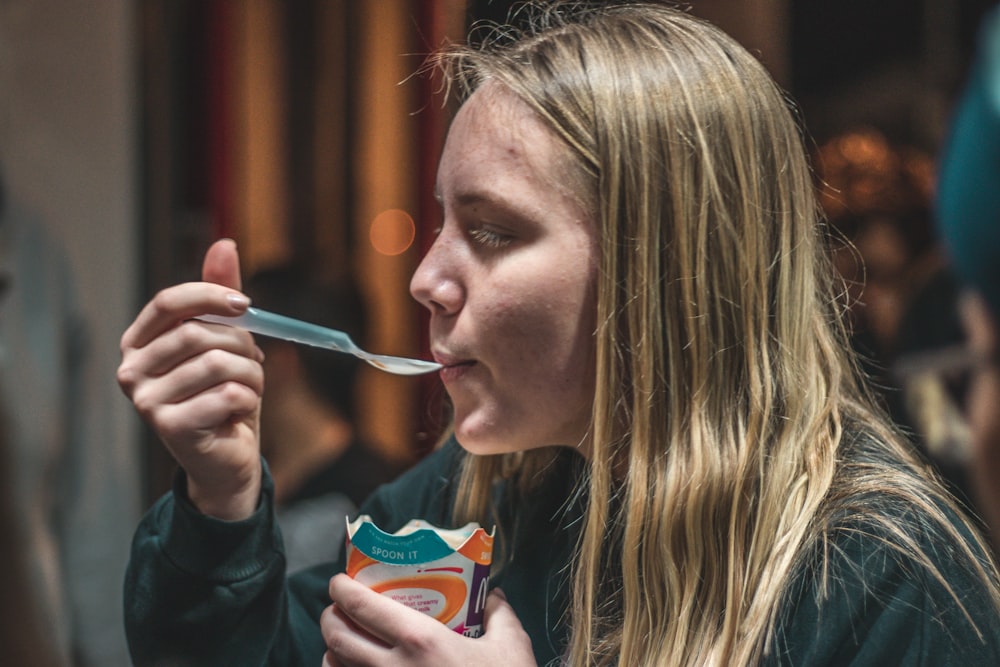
653,400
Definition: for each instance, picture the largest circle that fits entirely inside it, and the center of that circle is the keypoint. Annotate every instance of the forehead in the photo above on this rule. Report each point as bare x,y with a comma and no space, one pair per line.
495,111
495,136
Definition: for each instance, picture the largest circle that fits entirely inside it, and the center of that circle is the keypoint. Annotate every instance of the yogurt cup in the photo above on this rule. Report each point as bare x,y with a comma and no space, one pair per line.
443,573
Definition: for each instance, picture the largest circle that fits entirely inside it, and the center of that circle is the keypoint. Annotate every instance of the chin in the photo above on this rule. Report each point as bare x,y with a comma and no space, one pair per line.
481,447
484,443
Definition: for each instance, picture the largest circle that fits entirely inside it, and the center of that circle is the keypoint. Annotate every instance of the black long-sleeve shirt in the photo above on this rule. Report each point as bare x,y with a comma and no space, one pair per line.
200,591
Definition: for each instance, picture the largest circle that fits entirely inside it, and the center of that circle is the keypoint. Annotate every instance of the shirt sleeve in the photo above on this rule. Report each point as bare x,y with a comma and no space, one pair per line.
200,591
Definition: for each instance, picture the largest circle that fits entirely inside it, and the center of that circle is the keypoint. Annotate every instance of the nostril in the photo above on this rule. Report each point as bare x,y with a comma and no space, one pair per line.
444,299
440,295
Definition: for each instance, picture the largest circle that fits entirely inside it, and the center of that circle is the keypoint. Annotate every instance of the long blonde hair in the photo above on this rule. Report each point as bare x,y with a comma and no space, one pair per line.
724,385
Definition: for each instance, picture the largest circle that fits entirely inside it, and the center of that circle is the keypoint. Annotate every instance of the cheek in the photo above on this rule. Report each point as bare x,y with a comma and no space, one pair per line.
547,345
553,317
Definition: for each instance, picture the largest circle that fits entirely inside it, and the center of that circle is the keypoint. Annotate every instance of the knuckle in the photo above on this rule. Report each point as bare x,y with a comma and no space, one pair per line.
334,635
326,624
335,641
188,334
355,604
143,402
216,362
127,377
164,301
237,395
416,642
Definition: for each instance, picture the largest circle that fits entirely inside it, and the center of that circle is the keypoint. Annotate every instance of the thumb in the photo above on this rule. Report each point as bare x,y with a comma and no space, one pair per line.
498,615
222,264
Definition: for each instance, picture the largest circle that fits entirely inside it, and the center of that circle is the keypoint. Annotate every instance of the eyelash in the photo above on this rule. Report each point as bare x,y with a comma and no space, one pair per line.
489,238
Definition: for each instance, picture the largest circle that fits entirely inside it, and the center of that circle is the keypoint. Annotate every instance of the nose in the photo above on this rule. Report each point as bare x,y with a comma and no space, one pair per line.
436,284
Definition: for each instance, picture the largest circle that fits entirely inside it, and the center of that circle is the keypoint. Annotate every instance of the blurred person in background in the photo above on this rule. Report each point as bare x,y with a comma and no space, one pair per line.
969,218
59,489
877,194
23,635
322,470
24,638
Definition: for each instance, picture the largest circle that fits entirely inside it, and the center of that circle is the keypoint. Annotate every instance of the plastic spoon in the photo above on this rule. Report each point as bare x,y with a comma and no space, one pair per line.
278,326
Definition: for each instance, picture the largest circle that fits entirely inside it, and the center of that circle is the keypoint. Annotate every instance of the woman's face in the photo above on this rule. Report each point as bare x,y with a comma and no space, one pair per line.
510,282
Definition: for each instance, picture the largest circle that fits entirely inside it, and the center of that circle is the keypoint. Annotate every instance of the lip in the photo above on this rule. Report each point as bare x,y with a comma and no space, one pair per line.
453,367
447,358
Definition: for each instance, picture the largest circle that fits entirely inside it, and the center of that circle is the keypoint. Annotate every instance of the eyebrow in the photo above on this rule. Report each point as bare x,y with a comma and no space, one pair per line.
475,197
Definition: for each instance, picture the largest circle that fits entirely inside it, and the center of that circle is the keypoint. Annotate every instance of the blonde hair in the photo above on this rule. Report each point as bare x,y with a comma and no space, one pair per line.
725,391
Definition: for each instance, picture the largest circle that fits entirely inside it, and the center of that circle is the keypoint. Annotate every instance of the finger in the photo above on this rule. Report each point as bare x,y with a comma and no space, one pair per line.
222,264
208,419
197,375
176,304
190,339
208,411
188,361
348,643
501,627
498,615
379,615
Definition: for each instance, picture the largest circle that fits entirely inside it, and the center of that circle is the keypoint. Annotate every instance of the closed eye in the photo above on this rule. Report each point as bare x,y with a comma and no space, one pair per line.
490,238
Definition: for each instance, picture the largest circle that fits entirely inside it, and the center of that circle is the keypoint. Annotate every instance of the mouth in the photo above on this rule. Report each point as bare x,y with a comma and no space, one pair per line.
452,367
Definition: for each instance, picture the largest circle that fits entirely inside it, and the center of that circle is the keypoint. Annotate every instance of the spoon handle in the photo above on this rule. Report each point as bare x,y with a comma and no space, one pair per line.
287,328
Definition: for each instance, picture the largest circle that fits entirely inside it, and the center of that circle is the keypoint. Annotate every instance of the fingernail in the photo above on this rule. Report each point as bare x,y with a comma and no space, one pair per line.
237,301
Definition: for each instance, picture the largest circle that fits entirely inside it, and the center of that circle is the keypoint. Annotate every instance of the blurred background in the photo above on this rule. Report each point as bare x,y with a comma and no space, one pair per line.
134,133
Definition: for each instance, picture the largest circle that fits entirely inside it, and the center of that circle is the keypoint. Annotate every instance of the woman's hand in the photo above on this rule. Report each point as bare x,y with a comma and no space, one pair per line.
199,385
365,628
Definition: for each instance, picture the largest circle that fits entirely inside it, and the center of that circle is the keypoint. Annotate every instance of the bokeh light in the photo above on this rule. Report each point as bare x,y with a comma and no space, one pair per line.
392,232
